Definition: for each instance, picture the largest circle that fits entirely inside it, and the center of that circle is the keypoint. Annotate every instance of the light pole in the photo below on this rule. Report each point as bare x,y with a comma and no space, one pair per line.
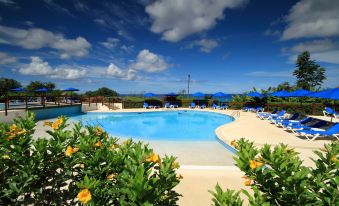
188,85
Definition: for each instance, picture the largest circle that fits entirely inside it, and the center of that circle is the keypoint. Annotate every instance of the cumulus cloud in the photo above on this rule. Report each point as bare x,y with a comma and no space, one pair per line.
117,72
312,18
6,59
110,43
206,45
39,67
176,19
36,38
149,62
67,72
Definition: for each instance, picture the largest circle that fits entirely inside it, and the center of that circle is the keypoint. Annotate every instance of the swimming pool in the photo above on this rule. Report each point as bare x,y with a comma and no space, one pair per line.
179,125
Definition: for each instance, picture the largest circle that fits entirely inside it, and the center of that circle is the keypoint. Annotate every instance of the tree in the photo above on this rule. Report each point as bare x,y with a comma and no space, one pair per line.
34,85
8,84
103,91
309,74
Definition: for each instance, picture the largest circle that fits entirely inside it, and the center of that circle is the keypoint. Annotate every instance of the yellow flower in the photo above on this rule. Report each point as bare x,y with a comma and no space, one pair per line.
84,196
6,157
254,164
98,144
48,123
334,158
57,123
114,146
111,176
13,127
175,165
153,158
70,151
248,182
21,132
99,131
234,143
179,176
10,137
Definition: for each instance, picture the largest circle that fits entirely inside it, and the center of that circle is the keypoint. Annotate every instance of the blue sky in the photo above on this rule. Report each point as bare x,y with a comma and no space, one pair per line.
151,46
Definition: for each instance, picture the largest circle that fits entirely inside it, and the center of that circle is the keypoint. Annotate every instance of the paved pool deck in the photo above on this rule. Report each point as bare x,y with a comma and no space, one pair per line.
199,179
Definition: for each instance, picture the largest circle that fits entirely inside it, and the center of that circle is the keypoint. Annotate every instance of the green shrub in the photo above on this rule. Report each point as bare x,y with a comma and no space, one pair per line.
80,166
277,177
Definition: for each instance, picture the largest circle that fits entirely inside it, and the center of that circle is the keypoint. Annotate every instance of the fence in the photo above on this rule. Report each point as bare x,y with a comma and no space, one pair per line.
43,101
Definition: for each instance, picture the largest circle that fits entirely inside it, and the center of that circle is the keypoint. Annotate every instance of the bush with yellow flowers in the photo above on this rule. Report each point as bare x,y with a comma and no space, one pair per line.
81,165
277,176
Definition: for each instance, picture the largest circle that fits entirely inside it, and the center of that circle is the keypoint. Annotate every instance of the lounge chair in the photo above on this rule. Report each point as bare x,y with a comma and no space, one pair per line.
295,122
192,106
278,120
247,109
203,106
313,134
270,116
263,114
223,107
258,109
296,128
146,106
167,105
279,115
214,106
330,112
175,105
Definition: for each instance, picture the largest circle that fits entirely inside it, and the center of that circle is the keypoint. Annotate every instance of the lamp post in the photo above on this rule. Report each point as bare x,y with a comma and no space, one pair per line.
188,85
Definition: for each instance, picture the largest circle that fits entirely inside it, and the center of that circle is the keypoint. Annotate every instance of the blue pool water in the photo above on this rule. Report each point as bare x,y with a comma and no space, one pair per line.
168,125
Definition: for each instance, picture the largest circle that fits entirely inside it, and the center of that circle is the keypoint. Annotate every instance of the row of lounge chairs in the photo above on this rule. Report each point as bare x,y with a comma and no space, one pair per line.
192,106
307,126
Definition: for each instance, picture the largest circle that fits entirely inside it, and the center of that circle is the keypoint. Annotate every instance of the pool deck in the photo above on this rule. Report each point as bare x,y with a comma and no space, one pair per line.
199,179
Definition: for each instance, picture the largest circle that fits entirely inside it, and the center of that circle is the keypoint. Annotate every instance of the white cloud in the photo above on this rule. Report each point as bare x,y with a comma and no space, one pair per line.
272,32
36,38
40,67
176,19
149,62
100,21
110,43
6,59
115,71
8,2
270,74
314,46
328,56
67,72
313,18
36,67
206,45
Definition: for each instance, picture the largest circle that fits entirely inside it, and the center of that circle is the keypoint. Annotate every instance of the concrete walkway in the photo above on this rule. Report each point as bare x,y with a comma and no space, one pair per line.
199,179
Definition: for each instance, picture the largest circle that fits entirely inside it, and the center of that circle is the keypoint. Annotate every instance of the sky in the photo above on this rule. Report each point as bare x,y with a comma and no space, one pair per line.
136,46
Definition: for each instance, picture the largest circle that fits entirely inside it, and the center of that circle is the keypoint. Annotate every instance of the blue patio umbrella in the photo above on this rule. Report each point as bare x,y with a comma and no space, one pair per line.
42,90
70,89
327,94
255,94
198,94
149,94
219,95
281,93
19,89
298,93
